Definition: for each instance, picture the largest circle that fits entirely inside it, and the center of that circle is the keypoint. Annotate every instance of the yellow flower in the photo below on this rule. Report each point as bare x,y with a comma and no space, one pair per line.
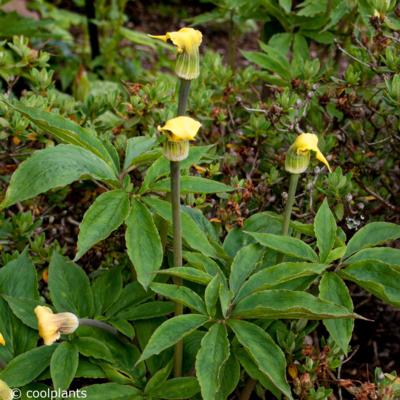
5,392
298,155
187,41
180,129
2,340
51,325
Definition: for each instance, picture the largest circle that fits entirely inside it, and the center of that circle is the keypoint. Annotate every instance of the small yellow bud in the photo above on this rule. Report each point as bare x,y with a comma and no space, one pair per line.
2,340
51,325
298,155
5,392
187,41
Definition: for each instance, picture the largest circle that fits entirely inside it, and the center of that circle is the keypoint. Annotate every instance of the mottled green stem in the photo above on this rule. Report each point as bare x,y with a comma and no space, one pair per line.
176,220
98,324
294,179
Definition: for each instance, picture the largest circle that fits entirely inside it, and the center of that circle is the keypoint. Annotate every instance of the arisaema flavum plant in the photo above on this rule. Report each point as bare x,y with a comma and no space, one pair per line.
195,315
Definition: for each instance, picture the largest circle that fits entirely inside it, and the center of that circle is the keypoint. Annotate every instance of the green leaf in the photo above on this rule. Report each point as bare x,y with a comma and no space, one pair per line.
180,294
104,216
380,279
278,274
254,372
230,377
151,309
158,378
189,274
65,130
106,290
23,309
135,147
63,365
111,391
143,243
171,332
287,304
192,184
191,232
18,278
211,295
325,230
386,255
52,168
333,289
244,263
269,358
286,5
371,235
26,367
69,287
286,245
311,8
177,388
92,347
210,359
123,326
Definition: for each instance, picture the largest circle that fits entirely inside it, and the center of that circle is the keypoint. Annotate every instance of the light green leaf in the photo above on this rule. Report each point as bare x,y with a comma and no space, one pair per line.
69,287
278,274
380,279
180,294
192,184
54,167
286,5
143,243
287,304
333,289
189,274
65,130
210,359
104,216
244,263
211,295
325,230
171,332
269,358
371,235
386,255
135,147
63,365
286,245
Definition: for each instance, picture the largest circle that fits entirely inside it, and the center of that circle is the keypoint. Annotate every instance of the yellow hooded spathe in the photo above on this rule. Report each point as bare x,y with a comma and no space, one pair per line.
51,325
186,39
180,129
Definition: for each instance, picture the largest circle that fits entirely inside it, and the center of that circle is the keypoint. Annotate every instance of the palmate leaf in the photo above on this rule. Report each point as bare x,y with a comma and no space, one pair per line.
210,359
287,304
55,167
269,358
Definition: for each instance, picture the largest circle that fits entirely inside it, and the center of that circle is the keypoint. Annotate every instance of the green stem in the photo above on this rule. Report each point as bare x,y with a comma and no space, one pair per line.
294,179
98,324
176,220
184,87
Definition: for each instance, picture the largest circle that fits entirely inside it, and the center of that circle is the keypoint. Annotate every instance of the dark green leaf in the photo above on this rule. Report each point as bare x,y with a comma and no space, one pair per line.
325,230
143,243
151,309
210,359
333,289
63,365
104,216
189,274
111,391
178,388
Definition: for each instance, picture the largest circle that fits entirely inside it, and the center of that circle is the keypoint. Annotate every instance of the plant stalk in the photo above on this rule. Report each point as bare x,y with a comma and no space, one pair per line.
176,220
98,324
294,179
248,389
92,29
